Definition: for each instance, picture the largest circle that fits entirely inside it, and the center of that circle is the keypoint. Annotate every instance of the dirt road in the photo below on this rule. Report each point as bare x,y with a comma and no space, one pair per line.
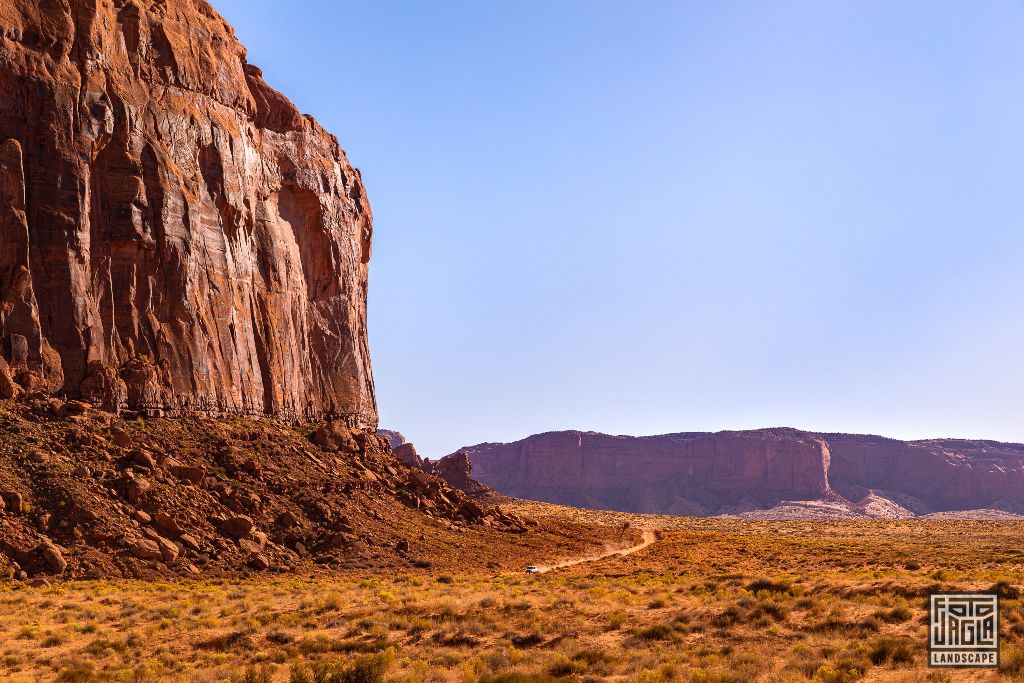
649,537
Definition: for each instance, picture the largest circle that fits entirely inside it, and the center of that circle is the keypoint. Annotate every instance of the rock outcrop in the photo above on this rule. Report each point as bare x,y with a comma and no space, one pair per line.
175,236
405,451
737,472
457,470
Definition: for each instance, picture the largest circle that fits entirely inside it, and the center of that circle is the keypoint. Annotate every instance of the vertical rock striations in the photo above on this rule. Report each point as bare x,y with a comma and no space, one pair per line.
174,235
673,474
732,472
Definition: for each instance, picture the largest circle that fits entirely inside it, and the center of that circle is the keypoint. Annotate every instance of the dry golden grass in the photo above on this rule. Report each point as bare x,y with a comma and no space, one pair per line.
711,600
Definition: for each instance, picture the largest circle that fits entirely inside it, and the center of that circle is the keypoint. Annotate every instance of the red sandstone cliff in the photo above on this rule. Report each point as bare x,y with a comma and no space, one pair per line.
174,234
731,472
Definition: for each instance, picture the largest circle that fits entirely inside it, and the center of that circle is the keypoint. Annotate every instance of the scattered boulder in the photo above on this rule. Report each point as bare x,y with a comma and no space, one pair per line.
260,538
145,549
8,387
334,436
13,500
166,523
193,475
407,454
120,437
259,561
169,551
237,527
76,407
143,458
287,520
133,487
189,541
142,517
249,545
53,557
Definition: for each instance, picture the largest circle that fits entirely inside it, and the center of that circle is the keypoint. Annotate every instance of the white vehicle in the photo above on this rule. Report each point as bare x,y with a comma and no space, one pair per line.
532,569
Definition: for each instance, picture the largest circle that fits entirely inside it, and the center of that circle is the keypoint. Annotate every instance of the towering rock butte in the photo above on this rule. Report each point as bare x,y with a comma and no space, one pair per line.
175,235
730,472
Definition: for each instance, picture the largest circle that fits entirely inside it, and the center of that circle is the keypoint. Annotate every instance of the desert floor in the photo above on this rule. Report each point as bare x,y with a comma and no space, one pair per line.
707,600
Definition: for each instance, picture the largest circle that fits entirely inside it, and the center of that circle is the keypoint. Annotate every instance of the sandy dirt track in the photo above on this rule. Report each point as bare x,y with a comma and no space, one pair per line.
649,537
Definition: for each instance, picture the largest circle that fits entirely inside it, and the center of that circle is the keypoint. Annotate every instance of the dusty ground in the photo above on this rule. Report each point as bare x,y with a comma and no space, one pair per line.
709,600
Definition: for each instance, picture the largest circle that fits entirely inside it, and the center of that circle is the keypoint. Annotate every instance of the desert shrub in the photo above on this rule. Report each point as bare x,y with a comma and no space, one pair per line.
732,614
740,669
565,667
365,669
515,677
655,632
662,674
615,621
1012,661
591,656
27,633
770,586
458,639
805,662
254,675
845,671
746,611
1005,590
528,640
280,637
233,640
101,646
896,615
53,640
77,672
895,650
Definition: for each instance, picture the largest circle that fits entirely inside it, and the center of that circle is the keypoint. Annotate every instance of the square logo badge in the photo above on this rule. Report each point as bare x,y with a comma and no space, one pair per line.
963,630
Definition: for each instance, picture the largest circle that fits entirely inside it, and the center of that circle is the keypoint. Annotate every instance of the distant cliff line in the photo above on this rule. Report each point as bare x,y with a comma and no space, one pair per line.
736,472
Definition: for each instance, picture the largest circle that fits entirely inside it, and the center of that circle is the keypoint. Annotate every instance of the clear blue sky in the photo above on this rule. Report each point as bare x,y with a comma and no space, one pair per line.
668,216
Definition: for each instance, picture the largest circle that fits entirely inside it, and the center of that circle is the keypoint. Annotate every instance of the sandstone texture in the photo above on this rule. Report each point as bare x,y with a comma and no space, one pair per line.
175,236
740,472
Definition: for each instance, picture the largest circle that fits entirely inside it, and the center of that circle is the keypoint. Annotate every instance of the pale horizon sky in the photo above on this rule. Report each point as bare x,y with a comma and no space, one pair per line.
678,216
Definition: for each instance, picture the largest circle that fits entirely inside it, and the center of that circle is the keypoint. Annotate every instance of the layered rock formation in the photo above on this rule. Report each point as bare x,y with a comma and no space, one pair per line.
404,450
457,470
175,236
736,472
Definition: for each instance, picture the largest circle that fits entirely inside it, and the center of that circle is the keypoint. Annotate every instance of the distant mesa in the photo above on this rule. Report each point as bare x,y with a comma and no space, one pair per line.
759,473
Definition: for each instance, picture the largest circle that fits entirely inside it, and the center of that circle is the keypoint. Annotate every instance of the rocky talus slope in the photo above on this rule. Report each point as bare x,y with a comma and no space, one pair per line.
84,493
175,236
748,471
